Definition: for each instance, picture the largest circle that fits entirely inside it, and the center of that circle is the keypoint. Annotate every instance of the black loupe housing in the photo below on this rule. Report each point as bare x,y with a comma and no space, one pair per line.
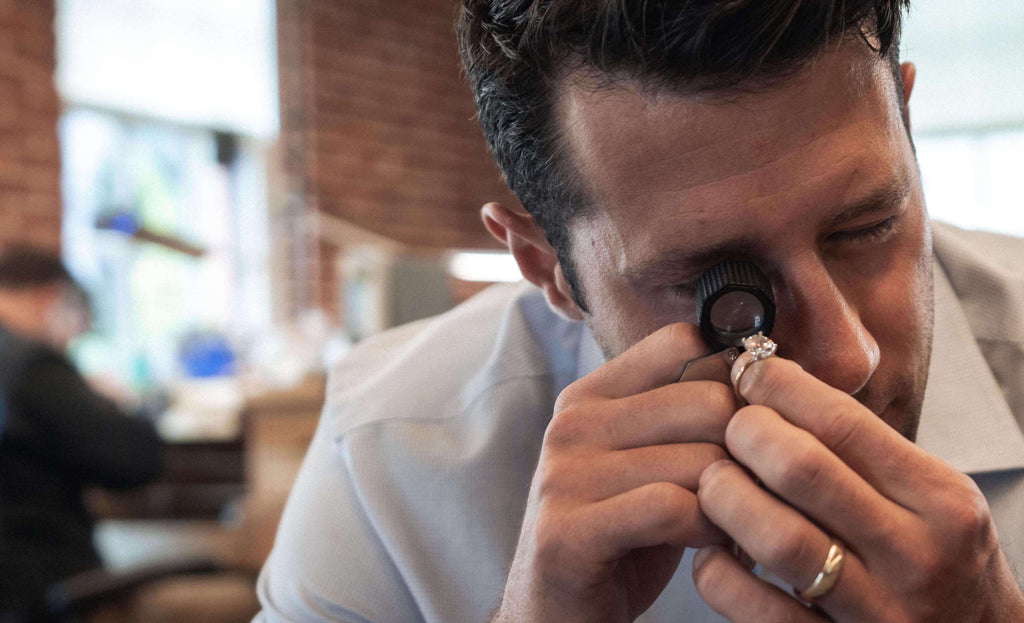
734,301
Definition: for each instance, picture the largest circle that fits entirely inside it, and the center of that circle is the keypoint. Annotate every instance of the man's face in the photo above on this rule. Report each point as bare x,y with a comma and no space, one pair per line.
814,181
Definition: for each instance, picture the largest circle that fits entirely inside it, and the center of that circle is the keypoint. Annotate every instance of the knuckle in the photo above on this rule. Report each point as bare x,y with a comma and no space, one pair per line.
547,479
745,426
969,514
669,507
566,428
961,542
793,546
673,506
548,541
892,536
802,470
666,497
925,566
841,428
570,394
562,478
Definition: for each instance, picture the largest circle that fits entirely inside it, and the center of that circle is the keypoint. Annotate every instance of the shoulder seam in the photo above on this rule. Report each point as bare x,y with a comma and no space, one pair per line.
338,436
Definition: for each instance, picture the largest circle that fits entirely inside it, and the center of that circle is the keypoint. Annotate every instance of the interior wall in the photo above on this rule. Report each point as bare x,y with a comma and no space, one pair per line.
392,142
378,127
30,198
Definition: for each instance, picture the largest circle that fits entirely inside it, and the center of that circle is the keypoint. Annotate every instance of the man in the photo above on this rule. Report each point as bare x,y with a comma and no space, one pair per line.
491,463
58,434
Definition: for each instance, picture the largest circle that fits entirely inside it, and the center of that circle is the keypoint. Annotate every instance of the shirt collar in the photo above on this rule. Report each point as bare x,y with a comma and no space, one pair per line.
965,419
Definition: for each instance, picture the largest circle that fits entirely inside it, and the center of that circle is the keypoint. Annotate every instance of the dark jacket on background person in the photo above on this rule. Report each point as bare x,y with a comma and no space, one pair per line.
56,437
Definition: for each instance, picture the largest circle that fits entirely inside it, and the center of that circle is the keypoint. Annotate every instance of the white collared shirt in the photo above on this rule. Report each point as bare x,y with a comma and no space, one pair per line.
410,499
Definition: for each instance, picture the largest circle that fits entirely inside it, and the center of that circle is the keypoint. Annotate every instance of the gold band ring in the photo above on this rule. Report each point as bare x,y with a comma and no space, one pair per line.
828,575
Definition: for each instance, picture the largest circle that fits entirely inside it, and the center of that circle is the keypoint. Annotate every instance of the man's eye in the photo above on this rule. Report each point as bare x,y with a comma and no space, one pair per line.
874,232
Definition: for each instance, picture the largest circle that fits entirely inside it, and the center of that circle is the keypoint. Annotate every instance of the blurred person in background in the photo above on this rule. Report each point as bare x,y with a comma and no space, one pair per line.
58,434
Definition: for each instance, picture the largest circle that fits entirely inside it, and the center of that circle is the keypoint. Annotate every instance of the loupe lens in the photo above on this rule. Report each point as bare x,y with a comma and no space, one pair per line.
734,300
737,312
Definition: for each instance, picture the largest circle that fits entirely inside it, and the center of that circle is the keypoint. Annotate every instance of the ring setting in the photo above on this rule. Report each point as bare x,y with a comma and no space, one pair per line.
760,346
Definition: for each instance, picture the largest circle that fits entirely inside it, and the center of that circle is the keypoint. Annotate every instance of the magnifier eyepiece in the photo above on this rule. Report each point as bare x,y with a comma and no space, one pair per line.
734,300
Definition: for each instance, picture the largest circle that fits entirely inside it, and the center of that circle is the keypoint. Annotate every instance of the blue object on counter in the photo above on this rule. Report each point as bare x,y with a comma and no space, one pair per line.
124,222
205,355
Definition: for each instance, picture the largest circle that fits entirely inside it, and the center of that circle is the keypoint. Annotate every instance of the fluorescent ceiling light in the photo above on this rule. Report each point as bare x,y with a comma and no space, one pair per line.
484,266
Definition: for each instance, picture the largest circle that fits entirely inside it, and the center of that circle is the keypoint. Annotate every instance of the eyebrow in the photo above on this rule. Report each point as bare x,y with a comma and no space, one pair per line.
684,260
890,194
670,265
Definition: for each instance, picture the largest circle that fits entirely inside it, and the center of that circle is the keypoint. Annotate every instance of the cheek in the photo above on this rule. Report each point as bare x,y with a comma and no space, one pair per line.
894,314
898,309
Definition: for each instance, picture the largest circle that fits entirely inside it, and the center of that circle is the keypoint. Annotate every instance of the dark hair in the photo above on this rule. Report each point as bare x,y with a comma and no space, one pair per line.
23,267
515,51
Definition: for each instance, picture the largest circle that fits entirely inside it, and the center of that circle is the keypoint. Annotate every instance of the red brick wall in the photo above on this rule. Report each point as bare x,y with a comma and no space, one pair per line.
387,121
30,202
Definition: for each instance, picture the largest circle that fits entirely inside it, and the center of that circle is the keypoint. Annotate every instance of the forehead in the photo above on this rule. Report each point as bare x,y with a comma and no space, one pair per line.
645,158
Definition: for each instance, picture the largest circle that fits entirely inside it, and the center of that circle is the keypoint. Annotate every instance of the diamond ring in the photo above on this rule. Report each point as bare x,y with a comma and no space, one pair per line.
758,347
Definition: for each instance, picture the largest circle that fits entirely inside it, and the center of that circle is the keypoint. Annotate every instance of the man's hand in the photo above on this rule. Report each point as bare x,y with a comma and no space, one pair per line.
921,545
613,504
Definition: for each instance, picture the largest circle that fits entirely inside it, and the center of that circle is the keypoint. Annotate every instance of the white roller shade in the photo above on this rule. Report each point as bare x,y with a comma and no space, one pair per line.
970,59
200,62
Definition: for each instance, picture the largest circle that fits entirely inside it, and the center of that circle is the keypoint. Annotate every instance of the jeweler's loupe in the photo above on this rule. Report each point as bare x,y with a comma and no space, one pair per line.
734,301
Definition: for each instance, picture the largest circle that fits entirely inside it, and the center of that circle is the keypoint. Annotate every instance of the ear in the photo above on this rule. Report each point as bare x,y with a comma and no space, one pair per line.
537,259
909,73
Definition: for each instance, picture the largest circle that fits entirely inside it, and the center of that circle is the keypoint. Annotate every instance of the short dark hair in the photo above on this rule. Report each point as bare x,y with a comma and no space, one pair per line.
23,267
515,52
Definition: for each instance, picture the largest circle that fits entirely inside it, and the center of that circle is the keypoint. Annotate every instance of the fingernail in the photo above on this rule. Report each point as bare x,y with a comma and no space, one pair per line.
702,555
710,471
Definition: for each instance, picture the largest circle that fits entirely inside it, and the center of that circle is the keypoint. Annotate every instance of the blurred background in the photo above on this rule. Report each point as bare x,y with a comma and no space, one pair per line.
248,187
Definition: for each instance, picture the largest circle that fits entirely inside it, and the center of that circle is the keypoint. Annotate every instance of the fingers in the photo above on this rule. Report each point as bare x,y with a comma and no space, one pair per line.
659,513
675,413
798,468
736,594
861,439
772,533
606,475
656,360
620,460
785,542
697,411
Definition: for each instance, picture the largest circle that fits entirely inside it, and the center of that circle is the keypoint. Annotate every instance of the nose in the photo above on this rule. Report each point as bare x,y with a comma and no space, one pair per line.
820,328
